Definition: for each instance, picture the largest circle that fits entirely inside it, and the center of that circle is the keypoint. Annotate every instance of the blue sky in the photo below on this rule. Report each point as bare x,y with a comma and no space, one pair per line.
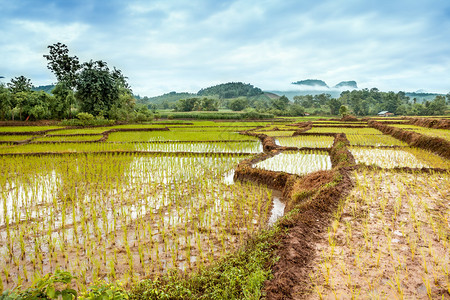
165,46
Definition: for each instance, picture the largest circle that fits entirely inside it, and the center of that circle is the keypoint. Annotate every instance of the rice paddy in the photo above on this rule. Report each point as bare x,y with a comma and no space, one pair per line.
121,206
299,163
405,157
308,141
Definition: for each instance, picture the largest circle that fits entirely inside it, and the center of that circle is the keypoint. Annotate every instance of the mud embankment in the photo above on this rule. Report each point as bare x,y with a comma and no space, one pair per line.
429,122
414,139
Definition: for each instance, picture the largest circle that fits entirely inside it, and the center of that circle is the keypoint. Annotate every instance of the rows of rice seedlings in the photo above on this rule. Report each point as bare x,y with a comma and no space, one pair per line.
26,128
93,130
11,138
374,140
345,130
276,133
340,122
232,147
68,138
297,162
121,217
440,133
390,239
212,128
405,157
310,141
146,136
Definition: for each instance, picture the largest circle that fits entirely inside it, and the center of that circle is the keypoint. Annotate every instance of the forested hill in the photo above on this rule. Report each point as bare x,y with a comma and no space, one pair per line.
312,82
231,90
46,88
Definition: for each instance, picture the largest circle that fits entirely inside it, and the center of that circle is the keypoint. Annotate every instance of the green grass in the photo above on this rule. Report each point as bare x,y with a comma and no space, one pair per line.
26,128
374,140
239,275
69,138
9,138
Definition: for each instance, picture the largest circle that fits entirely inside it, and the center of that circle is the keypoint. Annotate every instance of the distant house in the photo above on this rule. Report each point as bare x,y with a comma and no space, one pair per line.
385,113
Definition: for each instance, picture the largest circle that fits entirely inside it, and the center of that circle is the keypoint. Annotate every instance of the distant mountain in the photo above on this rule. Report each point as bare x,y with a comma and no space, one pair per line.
312,82
231,90
422,96
343,84
46,88
291,94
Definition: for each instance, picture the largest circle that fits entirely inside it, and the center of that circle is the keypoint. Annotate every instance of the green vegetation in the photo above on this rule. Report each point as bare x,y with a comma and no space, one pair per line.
231,90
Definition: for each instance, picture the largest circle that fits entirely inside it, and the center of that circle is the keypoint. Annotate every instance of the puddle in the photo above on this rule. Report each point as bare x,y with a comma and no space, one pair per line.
277,210
228,178
297,162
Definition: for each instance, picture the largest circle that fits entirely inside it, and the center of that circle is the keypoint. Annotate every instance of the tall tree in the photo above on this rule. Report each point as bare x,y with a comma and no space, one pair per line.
64,67
20,84
5,101
98,89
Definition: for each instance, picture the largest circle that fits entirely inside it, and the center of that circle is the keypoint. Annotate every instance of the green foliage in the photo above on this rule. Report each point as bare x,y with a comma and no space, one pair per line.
231,90
238,104
217,115
237,276
105,291
281,103
5,101
343,110
86,119
51,286
20,84
64,67
197,104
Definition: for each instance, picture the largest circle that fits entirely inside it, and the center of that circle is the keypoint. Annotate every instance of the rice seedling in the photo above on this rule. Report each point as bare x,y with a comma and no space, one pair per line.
406,157
97,205
306,141
297,162
383,251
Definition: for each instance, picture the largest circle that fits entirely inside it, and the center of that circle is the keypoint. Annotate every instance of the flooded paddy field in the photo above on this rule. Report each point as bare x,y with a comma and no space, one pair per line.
129,202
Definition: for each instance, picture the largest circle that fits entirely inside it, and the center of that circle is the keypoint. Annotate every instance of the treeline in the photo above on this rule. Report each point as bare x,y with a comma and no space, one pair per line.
91,88
367,102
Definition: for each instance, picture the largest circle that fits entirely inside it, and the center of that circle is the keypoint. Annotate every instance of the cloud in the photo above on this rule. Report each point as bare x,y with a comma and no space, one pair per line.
187,45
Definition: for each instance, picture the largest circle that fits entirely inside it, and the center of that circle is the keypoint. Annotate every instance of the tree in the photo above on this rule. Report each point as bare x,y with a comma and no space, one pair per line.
187,104
280,103
98,89
64,67
20,84
209,104
334,105
343,110
5,101
238,104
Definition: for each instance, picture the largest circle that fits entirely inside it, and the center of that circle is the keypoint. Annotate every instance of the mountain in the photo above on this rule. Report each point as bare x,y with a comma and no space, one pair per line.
344,84
46,88
312,83
231,90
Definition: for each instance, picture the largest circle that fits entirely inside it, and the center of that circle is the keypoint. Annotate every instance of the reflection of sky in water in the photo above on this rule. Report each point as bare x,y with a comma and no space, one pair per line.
296,163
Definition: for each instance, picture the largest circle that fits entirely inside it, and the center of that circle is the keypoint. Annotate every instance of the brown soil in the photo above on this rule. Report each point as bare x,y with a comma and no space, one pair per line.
297,249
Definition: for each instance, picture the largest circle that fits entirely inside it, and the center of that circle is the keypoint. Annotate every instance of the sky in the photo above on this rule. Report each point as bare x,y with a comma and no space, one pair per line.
183,46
